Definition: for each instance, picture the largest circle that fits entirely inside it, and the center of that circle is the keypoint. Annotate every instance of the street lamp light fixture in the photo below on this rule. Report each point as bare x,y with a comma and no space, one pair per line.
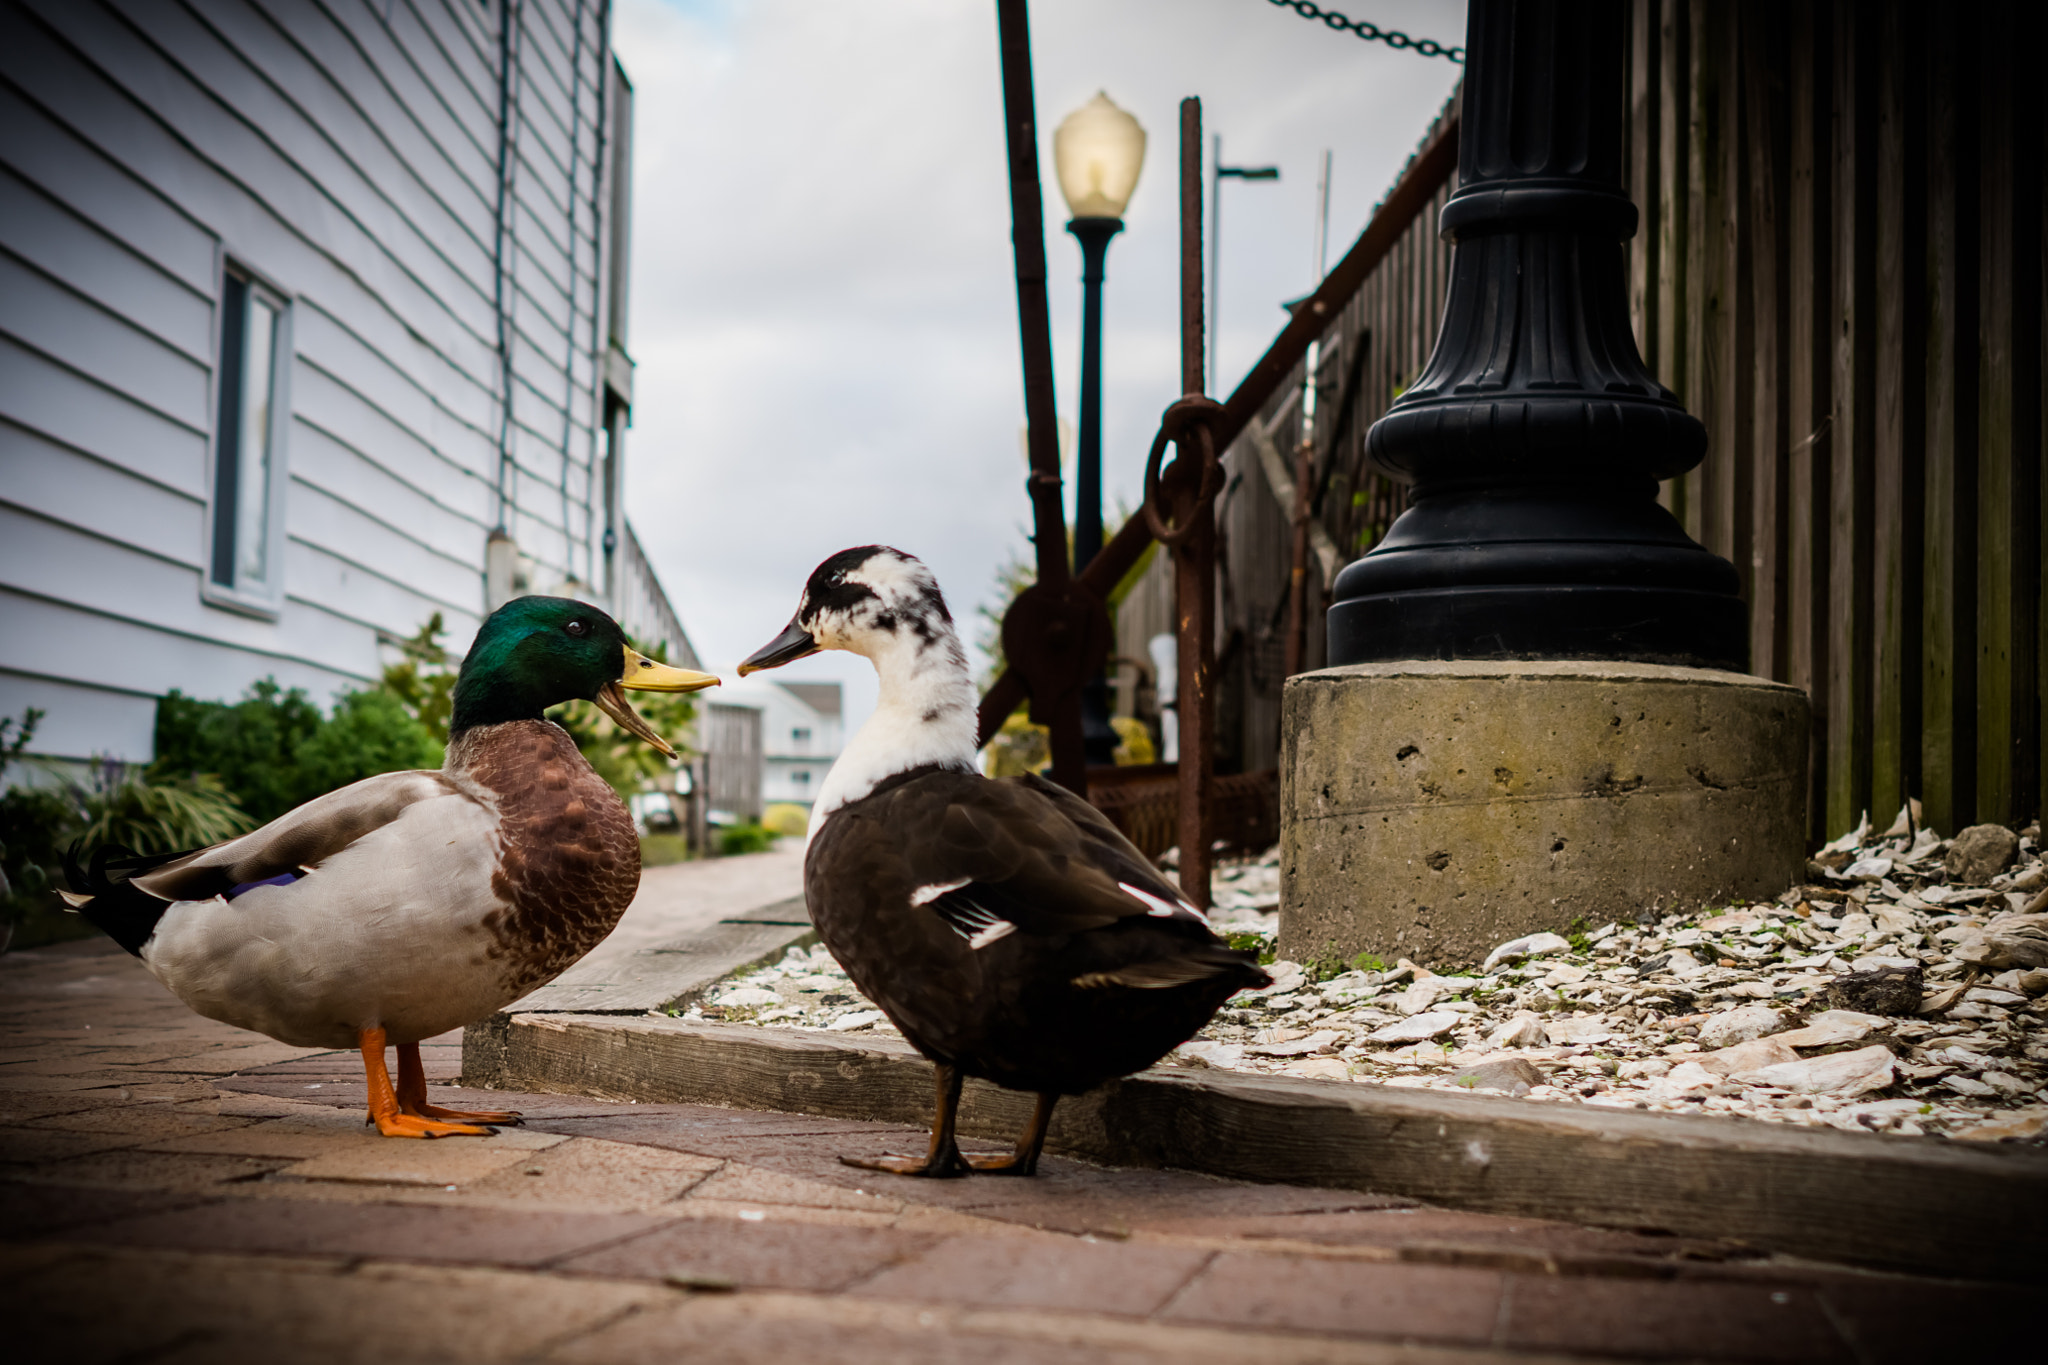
1096,152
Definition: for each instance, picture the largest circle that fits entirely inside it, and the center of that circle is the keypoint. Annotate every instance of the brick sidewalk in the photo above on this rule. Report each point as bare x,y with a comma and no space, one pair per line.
175,1190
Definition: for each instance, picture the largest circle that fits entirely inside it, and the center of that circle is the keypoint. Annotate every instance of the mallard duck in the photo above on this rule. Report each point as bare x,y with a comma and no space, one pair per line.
411,903
1005,927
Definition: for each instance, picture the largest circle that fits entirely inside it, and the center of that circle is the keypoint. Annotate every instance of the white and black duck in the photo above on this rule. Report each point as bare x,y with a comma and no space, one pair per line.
411,903
1005,927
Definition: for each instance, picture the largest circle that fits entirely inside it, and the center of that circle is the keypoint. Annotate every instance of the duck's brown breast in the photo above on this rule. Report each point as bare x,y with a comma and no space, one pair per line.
569,857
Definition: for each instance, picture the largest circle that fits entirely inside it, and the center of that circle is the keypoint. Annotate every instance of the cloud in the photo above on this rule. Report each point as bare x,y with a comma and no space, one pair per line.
823,310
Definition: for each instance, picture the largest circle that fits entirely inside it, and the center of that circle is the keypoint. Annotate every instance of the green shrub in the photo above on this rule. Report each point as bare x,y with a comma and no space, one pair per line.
149,810
274,750
250,745
746,838
157,812
660,850
368,733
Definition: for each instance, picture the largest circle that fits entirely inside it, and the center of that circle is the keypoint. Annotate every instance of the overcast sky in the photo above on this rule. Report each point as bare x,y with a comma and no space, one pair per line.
823,308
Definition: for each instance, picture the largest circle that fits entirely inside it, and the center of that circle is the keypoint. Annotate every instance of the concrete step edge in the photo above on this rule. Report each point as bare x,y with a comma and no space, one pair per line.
1919,1205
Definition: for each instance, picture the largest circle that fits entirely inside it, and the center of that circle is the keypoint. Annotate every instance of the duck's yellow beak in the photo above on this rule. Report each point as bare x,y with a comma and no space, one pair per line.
645,675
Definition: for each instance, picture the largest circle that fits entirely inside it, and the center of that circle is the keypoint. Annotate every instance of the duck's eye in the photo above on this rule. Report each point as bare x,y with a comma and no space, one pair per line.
578,628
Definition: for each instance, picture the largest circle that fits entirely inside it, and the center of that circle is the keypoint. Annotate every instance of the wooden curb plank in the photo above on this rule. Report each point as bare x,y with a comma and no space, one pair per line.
1910,1204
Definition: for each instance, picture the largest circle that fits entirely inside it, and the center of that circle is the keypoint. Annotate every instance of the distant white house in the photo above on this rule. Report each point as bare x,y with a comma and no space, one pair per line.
770,742
312,325
801,733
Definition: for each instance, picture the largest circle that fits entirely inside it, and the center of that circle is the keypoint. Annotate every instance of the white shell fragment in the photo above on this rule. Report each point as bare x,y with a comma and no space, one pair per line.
1531,945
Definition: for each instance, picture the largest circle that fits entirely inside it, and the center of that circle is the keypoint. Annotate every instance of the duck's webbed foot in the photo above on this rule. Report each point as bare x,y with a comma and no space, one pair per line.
1024,1160
413,1126
934,1165
391,1120
412,1095
943,1160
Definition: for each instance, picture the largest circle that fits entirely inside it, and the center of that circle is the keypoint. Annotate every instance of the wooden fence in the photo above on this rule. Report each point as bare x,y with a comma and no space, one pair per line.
1839,270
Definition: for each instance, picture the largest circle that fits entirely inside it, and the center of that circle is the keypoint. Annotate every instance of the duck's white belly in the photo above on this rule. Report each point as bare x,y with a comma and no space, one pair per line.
391,933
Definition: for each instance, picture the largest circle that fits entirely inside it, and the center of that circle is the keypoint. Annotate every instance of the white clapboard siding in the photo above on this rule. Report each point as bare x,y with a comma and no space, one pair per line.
154,660
83,412
371,598
64,485
352,420
445,375
80,721
74,252
72,172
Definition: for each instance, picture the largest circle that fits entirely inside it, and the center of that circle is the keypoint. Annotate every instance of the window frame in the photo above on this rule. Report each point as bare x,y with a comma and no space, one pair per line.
265,600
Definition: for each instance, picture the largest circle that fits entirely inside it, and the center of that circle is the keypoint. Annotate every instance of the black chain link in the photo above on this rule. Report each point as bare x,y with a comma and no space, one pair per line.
1372,33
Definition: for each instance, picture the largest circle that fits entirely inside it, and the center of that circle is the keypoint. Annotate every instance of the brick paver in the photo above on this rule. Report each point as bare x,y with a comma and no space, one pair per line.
175,1190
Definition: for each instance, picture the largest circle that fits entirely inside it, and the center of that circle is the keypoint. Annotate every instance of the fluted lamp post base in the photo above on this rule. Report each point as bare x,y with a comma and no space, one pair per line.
1539,574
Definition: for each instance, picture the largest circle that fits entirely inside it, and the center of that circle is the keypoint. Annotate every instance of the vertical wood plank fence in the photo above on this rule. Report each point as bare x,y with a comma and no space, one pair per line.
1840,272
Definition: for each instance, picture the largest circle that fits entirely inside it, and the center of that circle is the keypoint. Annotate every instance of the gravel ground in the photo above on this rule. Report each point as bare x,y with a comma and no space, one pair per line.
1904,990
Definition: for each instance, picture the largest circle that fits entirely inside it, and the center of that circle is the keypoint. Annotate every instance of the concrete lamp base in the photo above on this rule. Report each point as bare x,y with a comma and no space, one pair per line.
1432,810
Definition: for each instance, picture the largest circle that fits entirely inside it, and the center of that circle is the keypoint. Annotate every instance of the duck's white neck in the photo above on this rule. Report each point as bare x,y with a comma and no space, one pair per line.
926,715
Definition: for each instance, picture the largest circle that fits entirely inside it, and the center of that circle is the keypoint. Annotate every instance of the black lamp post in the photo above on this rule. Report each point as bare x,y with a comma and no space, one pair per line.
1535,436
1097,151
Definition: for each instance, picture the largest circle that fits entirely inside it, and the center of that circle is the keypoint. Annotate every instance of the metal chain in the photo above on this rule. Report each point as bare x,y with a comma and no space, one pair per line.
1372,33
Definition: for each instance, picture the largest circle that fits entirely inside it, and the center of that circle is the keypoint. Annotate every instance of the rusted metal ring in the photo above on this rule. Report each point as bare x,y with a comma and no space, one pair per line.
1186,420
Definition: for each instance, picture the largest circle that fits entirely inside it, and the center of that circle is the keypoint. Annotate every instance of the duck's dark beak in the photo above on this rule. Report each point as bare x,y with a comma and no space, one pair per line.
645,675
794,643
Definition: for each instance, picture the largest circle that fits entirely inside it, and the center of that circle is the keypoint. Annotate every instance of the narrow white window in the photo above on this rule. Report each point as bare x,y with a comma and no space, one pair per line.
248,447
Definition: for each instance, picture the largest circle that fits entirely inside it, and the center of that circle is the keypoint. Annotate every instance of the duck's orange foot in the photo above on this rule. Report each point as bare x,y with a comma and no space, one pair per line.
435,1111
1009,1163
939,1166
414,1126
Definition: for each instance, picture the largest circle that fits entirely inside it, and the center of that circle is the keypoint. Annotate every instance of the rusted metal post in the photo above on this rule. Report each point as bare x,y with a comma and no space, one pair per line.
1195,557
1060,711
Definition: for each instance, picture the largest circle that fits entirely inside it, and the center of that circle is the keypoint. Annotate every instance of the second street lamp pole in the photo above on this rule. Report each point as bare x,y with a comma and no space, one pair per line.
1218,174
1098,738
1097,150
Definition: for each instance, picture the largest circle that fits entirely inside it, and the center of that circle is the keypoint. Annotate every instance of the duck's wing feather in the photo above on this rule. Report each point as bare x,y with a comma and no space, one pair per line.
1025,857
299,840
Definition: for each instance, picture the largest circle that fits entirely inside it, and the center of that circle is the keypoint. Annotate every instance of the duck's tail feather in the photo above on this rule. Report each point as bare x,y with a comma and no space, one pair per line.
1205,962
102,891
